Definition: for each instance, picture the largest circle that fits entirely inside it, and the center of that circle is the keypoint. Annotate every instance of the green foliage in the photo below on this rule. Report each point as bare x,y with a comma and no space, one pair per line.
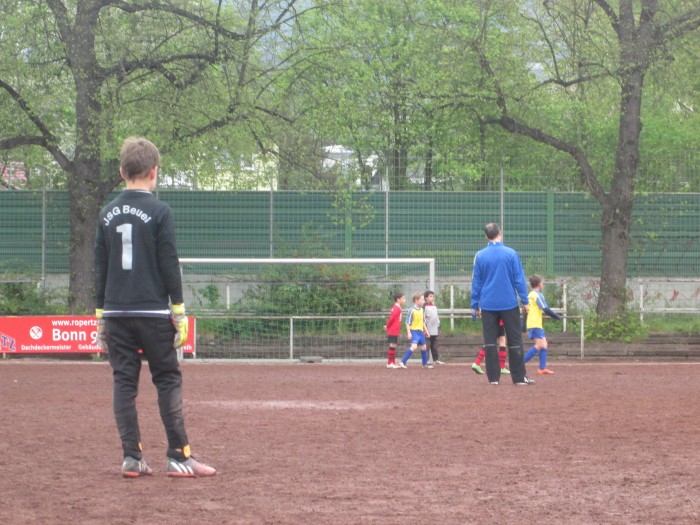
208,297
461,301
298,290
625,329
672,323
461,298
21,298
319,290
534,265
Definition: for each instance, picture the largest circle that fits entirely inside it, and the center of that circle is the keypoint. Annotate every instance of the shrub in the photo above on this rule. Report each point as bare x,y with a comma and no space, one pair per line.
23,298
625,328
305,290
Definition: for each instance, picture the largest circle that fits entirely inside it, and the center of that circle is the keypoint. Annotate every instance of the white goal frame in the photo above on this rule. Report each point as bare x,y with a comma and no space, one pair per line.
430,261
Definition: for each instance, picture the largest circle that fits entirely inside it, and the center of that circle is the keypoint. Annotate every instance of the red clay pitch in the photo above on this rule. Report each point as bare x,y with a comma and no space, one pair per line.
595,443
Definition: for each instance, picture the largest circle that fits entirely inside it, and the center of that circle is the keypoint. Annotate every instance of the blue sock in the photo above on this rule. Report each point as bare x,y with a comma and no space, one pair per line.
424,357
543,359
406,356
530,354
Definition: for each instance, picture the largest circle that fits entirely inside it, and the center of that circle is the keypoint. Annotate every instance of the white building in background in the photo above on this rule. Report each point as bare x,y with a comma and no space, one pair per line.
345,159
13,176
259,172
254,172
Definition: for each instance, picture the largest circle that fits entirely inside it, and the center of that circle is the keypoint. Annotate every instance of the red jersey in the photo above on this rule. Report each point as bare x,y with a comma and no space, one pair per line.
393,325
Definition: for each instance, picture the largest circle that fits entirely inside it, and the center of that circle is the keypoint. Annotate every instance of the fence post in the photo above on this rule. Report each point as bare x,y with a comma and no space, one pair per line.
564,300
291,338
452,307
550,233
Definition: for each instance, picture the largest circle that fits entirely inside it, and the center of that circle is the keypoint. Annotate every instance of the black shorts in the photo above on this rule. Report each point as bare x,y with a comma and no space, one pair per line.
393,338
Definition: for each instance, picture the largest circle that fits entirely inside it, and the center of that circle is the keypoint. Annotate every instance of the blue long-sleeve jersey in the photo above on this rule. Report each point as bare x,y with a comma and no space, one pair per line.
498,279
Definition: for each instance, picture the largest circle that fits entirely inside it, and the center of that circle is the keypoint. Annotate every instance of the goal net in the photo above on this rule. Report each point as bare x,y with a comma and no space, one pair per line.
288,308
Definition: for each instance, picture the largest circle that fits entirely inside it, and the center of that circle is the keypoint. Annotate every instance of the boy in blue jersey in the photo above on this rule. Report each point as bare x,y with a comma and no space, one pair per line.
538,307
416,330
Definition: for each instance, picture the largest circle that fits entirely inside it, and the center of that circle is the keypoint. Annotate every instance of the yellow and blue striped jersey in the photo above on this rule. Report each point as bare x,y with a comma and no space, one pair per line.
537,307
414,319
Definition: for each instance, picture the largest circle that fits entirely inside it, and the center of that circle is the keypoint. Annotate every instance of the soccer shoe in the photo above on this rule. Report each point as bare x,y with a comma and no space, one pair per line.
429,365
438,362
526,381
190,468
545,371
390,365
133,468
494,383
505,371
477,369
402,364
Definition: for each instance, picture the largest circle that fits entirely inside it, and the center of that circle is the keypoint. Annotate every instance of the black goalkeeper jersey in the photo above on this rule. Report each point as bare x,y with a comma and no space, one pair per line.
137,269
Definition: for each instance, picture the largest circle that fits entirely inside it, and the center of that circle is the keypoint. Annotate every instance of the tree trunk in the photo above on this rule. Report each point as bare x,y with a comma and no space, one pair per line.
616,244
428,178
616,224
86,197
84,209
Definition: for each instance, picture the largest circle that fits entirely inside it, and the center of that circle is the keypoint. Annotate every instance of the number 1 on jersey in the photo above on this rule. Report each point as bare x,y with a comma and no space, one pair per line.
127,246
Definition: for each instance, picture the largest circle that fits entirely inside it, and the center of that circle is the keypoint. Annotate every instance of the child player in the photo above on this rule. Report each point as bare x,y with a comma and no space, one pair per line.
393,329
432,324
415,327
502,353
139,305
538,306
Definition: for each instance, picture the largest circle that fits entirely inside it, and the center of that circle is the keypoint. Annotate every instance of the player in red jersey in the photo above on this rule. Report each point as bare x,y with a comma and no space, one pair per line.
393,329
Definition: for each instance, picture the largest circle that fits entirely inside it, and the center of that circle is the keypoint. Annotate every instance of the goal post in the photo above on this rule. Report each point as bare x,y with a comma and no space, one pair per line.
278,307
353,260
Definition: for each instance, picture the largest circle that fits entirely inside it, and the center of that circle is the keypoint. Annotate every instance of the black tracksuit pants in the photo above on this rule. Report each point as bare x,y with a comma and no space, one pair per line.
154,335
514,337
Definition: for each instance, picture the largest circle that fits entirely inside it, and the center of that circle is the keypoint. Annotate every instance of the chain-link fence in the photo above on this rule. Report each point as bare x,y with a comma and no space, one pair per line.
556,234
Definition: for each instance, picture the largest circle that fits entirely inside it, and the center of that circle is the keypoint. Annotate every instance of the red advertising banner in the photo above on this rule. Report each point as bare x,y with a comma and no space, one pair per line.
59,334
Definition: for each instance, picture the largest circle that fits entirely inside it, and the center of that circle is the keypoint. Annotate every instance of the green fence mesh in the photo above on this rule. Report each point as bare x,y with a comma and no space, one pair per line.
555,233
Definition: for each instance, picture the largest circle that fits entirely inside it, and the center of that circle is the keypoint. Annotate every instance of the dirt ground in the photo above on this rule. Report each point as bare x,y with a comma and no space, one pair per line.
595,443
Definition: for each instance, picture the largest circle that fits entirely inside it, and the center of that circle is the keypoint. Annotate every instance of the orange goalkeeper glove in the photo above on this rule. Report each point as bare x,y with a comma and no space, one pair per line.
180,323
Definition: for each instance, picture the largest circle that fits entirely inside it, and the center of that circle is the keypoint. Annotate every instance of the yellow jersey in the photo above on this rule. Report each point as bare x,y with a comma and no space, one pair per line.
414,319
537,306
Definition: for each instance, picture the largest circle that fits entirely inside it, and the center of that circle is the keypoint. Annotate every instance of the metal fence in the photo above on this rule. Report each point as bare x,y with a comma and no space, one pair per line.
556,234
341,337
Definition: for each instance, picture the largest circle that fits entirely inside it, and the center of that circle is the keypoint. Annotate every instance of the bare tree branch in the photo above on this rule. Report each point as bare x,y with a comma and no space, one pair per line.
48,139
614,21
510,124
22,140
60,13
122,69
678,26
587,174
188,15
548,41
573,81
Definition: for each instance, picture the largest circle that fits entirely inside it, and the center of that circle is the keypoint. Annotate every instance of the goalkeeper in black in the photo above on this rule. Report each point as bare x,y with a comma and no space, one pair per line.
139,305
